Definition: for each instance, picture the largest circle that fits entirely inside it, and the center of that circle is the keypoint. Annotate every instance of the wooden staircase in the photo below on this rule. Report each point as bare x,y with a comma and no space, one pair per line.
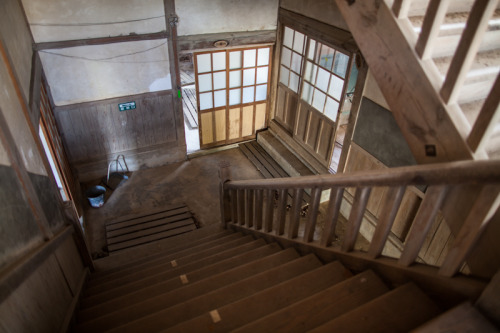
224,281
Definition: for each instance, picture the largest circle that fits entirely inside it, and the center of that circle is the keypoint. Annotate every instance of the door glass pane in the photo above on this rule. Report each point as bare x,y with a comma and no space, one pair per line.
318,100
326,57
219,80
248,96
219,60
261,92
336,86
312,49
204,63
263,57
322,80
294,82
286,56
249,77
298,43
205,82
235,60
219,98
206,101
235,79
310,72
262,73
284,74
288,37
340,66
296,62
331,108
249,58
234,96
307,92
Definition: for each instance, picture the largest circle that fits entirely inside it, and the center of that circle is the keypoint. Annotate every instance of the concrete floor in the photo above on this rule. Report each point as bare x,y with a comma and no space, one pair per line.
194,182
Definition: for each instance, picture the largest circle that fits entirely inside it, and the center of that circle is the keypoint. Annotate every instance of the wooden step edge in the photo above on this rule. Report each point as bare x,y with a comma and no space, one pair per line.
149,211
145,219
148,224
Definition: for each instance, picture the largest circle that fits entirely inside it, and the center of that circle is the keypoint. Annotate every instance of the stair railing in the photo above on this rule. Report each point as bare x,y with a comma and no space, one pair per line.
262,205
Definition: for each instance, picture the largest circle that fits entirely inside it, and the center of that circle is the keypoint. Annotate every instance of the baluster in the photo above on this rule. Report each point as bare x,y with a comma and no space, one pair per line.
234,206
269,209
259,199
332,215
313,214
249,208
283,195
400,8
434,17
241,207
356,217
476,26
384,224
224,176
295,213
480,215
488,118
434,197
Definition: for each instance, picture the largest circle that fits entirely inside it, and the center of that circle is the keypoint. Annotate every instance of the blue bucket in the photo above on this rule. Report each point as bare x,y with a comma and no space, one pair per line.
95,194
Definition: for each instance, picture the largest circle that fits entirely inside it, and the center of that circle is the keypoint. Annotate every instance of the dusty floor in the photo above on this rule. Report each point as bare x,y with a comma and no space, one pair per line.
194,182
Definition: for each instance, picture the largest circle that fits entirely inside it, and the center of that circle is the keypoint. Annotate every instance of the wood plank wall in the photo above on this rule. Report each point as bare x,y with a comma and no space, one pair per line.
96,133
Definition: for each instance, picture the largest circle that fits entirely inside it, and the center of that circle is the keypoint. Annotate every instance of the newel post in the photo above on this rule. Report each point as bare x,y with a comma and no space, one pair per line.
225,200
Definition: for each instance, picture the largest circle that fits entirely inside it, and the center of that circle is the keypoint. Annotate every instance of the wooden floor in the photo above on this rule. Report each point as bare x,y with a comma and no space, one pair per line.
189,105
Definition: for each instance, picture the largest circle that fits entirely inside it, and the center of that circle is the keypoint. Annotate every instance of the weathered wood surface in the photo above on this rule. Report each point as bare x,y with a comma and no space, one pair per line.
189,106
206,41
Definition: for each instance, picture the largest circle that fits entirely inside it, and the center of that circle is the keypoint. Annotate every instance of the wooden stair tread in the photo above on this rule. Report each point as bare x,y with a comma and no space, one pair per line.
399,310
269,300
192,289
218,298
462,318
145,218
206,256
321,307
140,214
266,173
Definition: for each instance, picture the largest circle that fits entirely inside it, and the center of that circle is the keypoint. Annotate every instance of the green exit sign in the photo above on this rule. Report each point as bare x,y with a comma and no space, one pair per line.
126,106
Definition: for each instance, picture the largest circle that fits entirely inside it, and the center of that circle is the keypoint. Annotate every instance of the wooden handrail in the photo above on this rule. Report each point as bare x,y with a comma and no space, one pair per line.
462,172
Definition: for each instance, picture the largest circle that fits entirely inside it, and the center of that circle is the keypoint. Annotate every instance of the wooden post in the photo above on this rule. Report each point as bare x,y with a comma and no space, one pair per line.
249,213
313,214
293,229
357,213
332,215
268,214
259,201
283,195
434,16
225,203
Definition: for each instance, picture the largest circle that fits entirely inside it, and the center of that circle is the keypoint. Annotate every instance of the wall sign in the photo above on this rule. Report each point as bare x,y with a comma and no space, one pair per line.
126,106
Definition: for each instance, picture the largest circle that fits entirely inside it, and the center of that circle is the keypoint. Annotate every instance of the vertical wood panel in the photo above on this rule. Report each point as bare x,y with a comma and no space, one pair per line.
234,123
260,116
206,127
247,121
220,125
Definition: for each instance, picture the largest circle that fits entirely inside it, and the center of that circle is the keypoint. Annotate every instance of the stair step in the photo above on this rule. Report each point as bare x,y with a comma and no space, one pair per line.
266,301
135,217
148,252
162,259
136,310
445,46
462,318
399,310
262,160
321,307
220,297
101,294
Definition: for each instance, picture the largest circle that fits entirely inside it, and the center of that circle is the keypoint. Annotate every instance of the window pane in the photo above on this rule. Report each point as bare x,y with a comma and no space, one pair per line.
219,80
307,92
296,62
204,63
294,82
262,74
326,57
249,58
248,95
206,101
310,72
205,82
219,59
235,60
331,108
318,100
286,56
284,74
234,79
234,96
336,86
322,80
288,37
312,49
340,66
261,92
298,43
249,77
263,57
219,98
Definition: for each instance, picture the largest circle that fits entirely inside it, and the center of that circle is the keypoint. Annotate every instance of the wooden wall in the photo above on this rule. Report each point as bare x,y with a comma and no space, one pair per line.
96,133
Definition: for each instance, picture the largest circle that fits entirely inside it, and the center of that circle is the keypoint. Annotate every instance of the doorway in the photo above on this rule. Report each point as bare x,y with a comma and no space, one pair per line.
189,103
